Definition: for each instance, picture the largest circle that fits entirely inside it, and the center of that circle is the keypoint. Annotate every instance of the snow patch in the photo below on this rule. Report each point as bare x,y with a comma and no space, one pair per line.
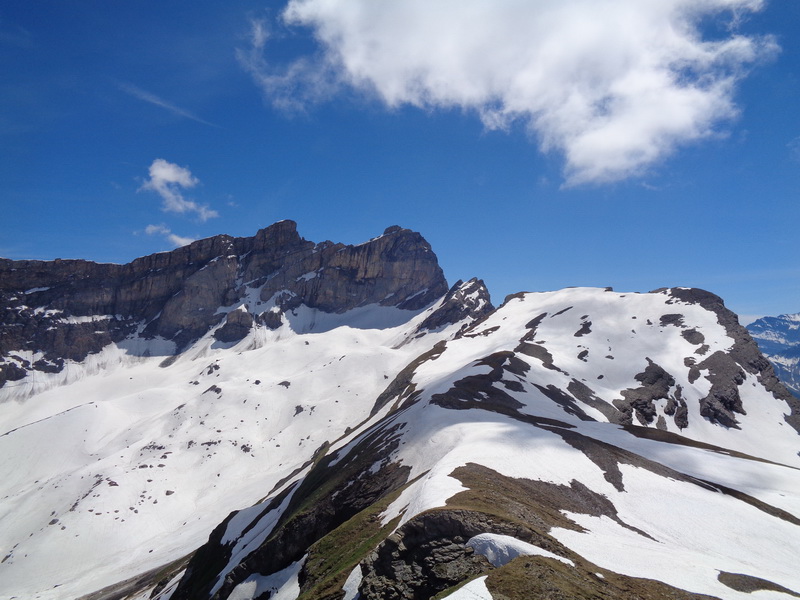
350,586
282,585
502,549
85,319
474,590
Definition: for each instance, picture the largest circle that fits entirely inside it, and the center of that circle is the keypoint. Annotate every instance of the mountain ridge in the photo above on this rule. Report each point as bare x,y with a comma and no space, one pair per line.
302,442
176,296
501,396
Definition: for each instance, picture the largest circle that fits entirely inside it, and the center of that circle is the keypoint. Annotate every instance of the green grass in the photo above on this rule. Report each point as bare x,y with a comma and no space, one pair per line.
332,558
529,577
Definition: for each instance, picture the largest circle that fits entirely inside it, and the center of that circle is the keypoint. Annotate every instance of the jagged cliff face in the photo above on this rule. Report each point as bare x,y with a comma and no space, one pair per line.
67,309
271,418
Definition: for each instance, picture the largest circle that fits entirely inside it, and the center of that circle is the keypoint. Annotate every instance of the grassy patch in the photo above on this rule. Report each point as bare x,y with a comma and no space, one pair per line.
332,558
533,508
530,577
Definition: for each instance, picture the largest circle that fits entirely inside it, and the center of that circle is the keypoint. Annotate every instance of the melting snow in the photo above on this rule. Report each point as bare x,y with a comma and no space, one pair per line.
502,549
350,586
282,585
474,590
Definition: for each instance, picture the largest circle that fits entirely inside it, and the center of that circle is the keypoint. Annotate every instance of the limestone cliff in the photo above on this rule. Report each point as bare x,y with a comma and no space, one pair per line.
52,311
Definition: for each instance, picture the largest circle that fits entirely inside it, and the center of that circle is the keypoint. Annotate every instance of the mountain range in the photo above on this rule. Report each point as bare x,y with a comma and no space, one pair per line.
779,340
269,417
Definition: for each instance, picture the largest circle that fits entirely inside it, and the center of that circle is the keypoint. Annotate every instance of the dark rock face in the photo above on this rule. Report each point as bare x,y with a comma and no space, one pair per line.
237,325
656,384
396,269
723,400
427,555
479,391
67,309
468,300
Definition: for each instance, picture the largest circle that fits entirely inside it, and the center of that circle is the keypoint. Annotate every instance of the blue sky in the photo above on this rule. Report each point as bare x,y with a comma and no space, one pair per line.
536,144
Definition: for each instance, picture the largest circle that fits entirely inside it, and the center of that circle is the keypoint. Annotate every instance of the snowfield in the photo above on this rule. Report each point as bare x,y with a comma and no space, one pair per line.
126,462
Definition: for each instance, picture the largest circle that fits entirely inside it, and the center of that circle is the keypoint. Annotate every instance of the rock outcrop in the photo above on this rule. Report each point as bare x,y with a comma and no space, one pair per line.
52,311
727,371
470,299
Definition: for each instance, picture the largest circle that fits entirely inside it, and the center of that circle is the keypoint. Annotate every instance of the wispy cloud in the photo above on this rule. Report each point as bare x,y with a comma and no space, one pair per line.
306,81
146,96
614,86
168,180
173,238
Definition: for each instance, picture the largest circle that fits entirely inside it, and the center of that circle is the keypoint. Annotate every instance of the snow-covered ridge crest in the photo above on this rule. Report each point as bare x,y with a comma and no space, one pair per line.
333,419
565,421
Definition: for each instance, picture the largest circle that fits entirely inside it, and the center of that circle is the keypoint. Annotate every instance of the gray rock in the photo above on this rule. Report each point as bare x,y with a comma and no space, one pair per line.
722,402
237,325
468,301
177,294
640,402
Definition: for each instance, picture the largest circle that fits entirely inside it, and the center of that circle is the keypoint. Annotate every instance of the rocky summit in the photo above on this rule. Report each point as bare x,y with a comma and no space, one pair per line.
267,417
60,310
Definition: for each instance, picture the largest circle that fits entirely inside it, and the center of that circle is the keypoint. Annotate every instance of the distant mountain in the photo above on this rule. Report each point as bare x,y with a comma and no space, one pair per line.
268,417
779,340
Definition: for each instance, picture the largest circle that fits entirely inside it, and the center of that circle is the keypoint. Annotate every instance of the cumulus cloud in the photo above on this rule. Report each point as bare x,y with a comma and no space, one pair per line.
173,238
168,180
612,85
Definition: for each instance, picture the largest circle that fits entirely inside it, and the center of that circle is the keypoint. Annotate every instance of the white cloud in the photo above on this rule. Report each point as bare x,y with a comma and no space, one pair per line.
173,238
167,180
306,81
612,85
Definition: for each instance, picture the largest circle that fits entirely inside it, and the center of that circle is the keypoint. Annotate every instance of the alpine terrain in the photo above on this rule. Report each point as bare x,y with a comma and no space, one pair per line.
269,417
779,340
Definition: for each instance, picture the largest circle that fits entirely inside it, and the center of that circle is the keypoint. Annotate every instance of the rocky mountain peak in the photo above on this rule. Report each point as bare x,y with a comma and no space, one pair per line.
465,299
52,311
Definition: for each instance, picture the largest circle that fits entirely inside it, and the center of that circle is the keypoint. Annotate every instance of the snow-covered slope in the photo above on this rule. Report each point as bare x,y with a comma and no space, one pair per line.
126,470
779,340
269,417
625,441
